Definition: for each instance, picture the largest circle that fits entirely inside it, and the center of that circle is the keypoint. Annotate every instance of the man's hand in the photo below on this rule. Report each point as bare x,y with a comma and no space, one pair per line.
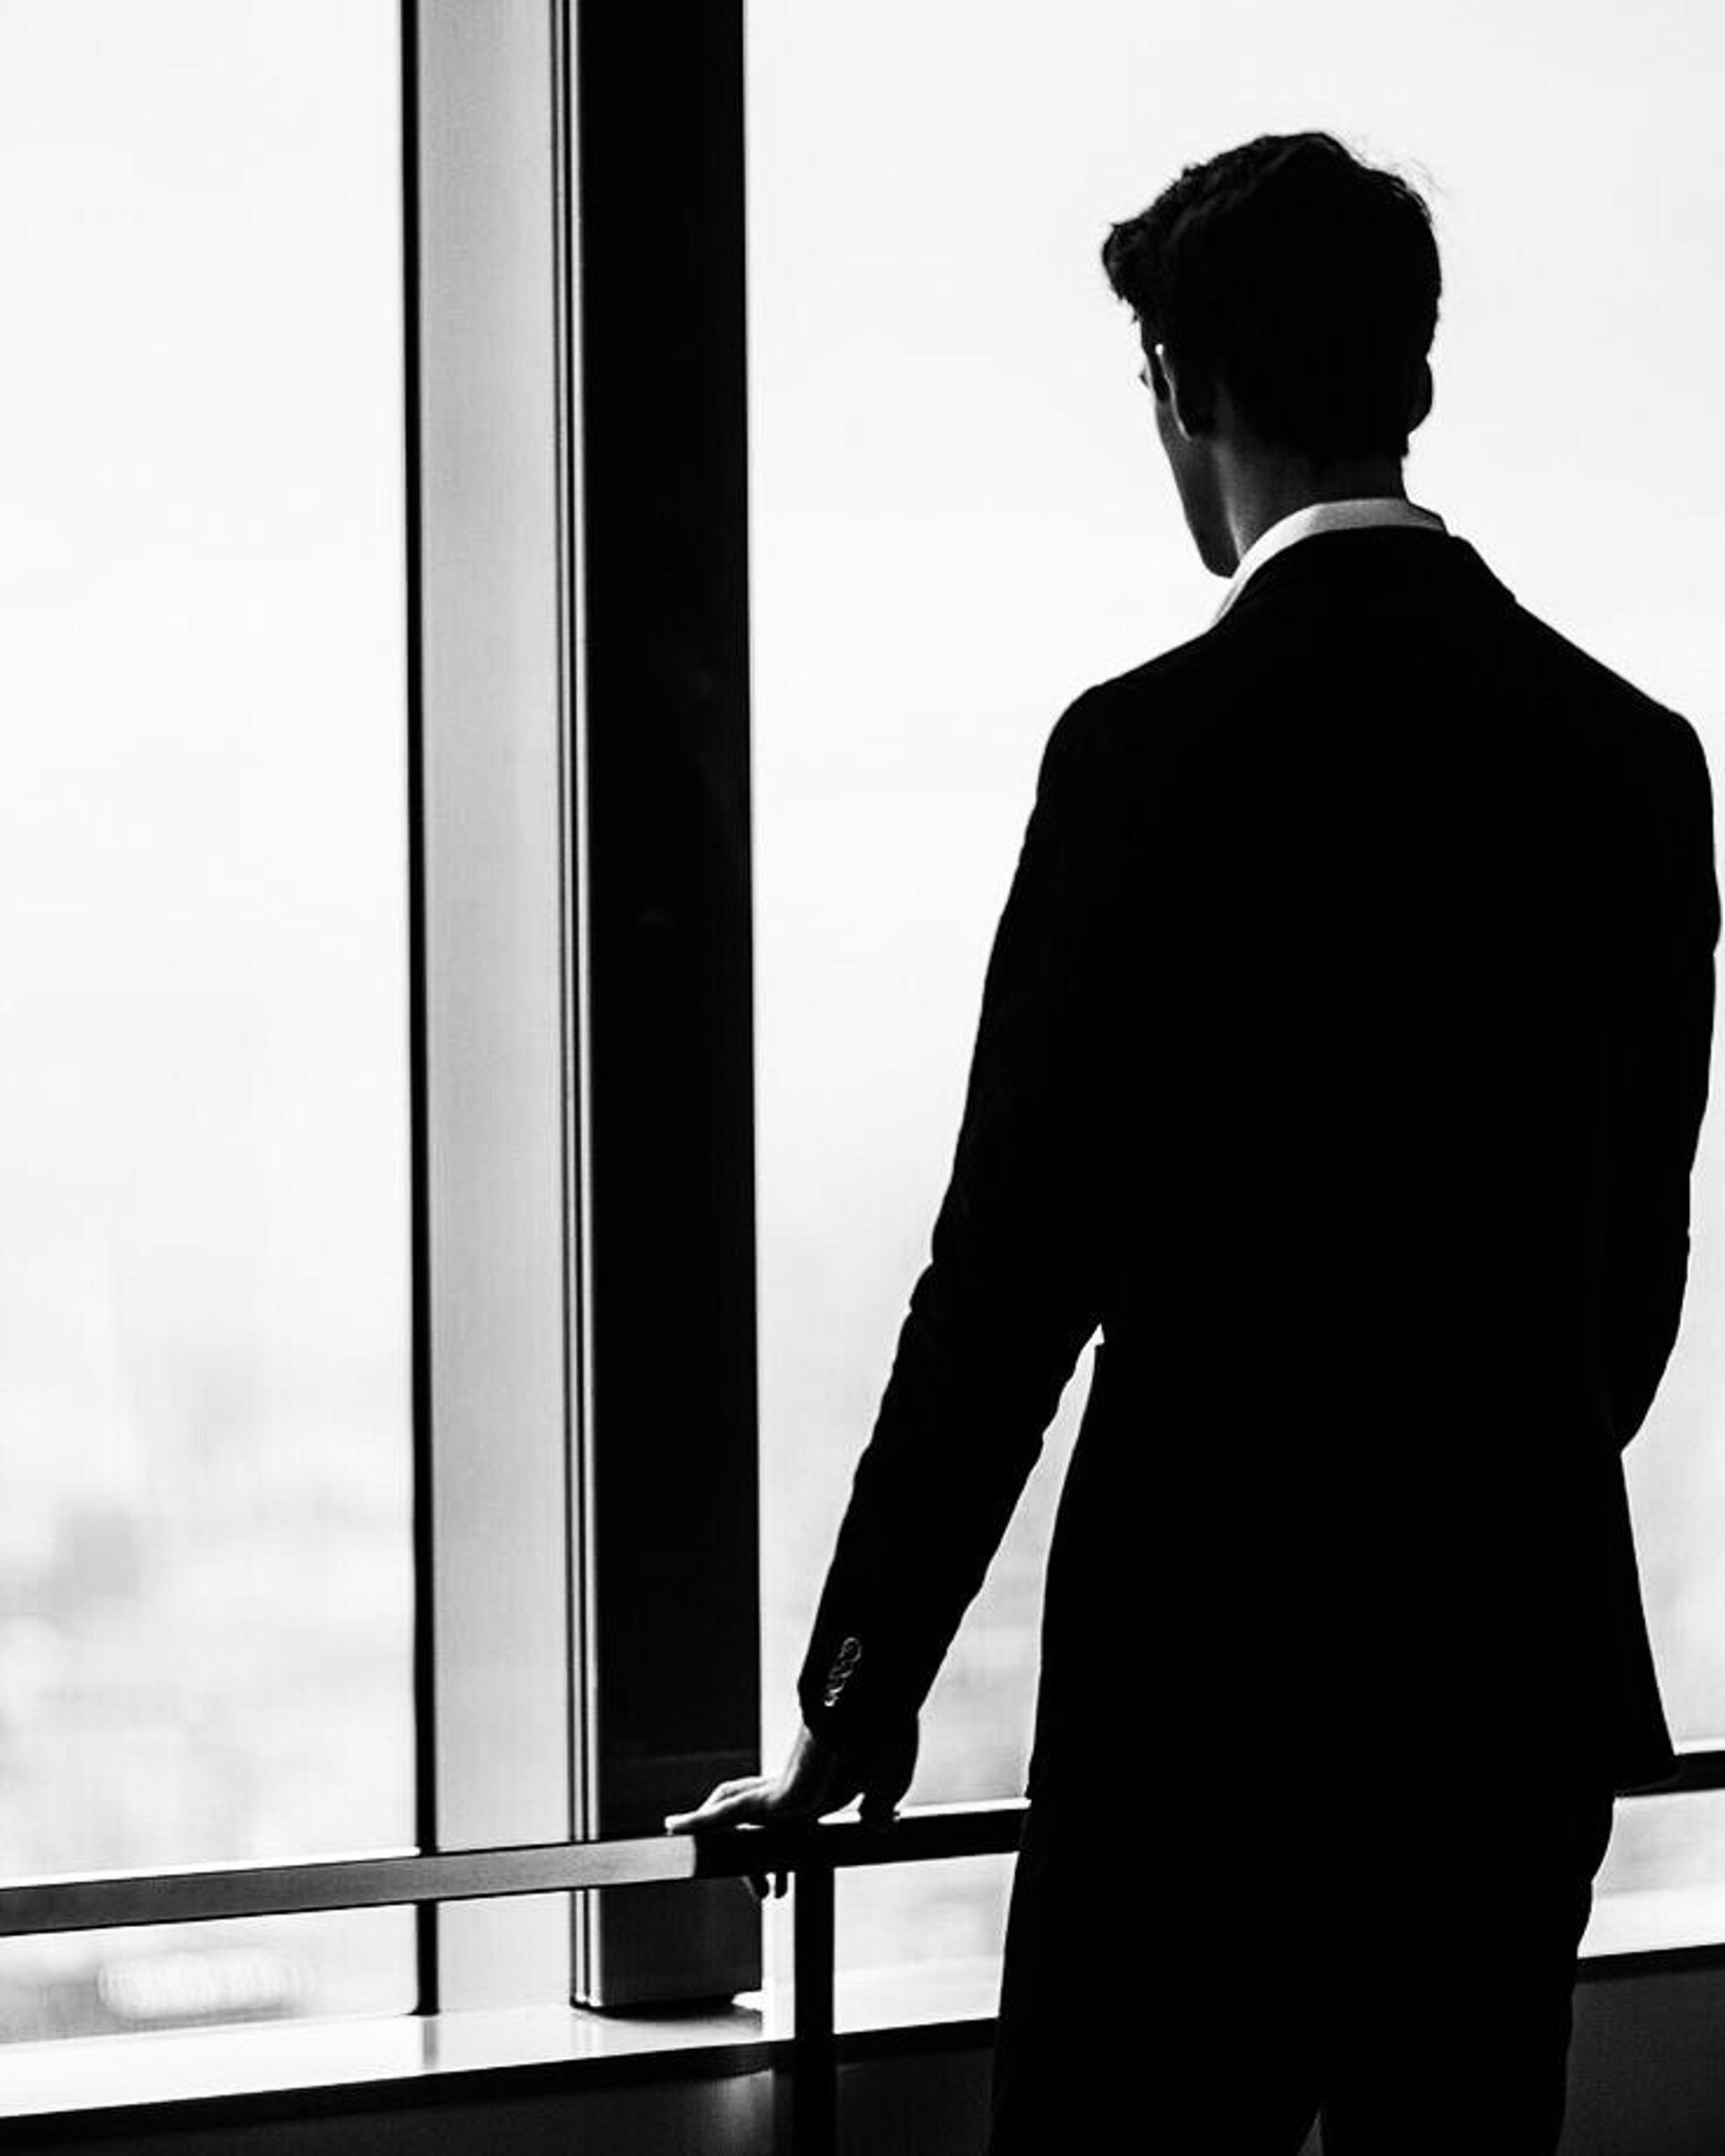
814,1781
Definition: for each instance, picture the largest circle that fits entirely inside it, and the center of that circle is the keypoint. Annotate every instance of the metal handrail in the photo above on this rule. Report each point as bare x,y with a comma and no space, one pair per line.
101,1901
812,1854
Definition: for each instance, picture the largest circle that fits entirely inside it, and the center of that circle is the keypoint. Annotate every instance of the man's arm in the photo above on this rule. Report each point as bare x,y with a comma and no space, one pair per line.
1011,1290
1660,1095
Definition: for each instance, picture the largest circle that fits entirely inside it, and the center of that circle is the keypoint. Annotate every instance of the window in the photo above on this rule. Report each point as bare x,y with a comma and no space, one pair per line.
961,518
206,1443
526,1697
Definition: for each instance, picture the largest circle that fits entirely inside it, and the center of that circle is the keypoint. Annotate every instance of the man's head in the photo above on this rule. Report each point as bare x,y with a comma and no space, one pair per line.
1285,295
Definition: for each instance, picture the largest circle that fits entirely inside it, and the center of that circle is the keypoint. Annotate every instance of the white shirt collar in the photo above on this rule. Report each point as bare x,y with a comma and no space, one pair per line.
1351,515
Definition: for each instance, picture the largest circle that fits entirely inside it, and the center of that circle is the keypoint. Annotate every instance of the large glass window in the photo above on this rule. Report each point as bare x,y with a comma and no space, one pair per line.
961,518
205,1590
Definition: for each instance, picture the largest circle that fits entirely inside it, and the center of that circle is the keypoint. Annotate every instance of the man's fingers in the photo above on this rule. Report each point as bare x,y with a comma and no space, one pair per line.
731,1803
745,1785
717,1811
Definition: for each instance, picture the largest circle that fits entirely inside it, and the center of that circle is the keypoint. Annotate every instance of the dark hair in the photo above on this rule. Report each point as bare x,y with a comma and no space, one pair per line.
1305,280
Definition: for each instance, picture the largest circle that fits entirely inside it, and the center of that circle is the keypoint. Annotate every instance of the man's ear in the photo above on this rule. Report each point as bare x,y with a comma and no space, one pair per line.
1422,395
1191,397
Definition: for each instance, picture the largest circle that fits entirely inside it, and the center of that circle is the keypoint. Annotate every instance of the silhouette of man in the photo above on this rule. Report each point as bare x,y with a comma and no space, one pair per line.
1343,1053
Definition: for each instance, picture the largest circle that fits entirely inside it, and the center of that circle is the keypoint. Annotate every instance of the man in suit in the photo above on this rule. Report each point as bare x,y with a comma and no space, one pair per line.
1343,1053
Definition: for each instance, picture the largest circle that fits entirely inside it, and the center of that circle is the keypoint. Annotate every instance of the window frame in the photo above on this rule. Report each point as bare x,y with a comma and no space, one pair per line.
489,736
558,1444
537,1371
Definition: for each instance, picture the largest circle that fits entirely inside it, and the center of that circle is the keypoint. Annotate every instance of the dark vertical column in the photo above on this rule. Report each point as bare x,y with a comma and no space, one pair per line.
814,2050
672,1644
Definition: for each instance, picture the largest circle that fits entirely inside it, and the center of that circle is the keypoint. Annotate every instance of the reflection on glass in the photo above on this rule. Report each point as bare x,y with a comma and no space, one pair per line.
164,1976
206,1589
915,1943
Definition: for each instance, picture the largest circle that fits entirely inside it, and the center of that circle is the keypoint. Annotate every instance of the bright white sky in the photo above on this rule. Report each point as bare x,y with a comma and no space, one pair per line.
203,822
204,1103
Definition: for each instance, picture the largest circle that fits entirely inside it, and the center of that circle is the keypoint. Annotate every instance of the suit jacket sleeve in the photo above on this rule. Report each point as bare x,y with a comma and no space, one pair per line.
1662,1087
1011,1290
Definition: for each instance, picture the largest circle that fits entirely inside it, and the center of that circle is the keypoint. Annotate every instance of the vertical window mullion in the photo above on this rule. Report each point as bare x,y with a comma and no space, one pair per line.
671,1697
496,1055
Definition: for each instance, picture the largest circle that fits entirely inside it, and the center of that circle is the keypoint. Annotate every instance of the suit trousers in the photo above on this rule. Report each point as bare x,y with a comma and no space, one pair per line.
1215,1974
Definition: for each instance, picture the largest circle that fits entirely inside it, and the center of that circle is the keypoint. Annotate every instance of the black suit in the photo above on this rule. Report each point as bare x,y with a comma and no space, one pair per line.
1342,1052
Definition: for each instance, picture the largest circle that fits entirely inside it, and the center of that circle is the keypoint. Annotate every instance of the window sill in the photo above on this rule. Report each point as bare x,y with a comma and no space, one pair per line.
198,2077
168,2079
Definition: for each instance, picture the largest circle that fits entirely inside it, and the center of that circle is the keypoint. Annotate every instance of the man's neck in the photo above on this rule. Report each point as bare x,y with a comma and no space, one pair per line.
1258,492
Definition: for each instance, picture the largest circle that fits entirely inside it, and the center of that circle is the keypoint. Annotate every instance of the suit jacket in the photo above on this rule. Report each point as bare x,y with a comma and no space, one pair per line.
1342,1052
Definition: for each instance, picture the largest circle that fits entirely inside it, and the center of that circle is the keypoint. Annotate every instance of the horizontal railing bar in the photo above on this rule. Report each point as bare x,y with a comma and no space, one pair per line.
103,1901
